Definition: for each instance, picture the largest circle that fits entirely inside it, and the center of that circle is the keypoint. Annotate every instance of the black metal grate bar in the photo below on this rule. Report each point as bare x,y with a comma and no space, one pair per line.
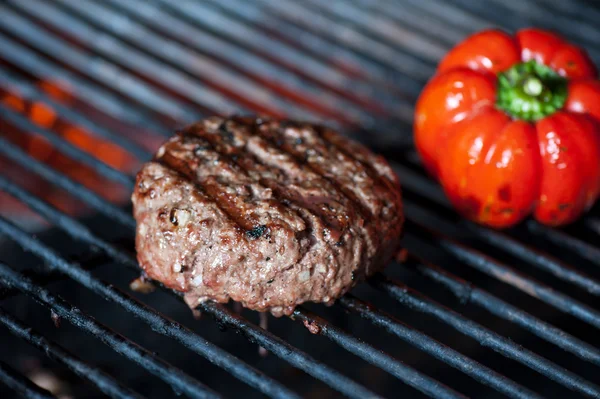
238,22
300,360
524,15
455,359
92,93
186,61
544,262
157,322
322,25
466,292
380,359
350,63
447,13
572,9
76,230
80,232
17,155
21,385
28,91
196,64
99,70
396,368
400,39
504,242
267,72
314,75
180,381
112,48
523,283
176,53
504,273
561,239
26,126
99,378
284,350
417,19
416,301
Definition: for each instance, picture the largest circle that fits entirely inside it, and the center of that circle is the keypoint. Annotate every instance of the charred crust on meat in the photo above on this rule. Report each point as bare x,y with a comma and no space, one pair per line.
256,232
225,133
200,148
284,124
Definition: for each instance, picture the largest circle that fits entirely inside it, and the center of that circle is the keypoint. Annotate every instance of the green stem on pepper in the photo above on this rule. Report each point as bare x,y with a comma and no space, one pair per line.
530,91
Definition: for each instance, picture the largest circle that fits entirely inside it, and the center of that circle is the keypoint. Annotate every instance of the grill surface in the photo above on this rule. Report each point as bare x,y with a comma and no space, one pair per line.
471,312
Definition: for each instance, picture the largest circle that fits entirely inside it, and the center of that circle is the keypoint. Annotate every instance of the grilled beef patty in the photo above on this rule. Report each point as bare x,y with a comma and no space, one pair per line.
270,213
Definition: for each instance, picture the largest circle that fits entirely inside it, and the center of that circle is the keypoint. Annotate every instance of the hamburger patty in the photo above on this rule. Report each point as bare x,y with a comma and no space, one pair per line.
269,213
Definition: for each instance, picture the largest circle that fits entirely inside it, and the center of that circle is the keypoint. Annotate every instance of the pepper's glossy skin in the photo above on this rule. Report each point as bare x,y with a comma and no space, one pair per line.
496,169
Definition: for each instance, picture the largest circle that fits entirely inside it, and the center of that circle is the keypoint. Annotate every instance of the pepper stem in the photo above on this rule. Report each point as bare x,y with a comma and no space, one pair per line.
533,86
530,91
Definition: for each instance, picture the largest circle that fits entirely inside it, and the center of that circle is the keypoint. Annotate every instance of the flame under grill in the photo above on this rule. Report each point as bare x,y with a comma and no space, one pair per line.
89,88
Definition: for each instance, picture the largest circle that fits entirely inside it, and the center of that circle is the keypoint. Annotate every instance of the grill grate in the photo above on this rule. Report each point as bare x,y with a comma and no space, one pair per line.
152,66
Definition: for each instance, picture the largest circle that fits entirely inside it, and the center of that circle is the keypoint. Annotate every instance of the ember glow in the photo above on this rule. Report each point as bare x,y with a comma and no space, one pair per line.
39,148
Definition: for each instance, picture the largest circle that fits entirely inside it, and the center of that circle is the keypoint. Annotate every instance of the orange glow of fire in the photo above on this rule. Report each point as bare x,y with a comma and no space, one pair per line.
38,147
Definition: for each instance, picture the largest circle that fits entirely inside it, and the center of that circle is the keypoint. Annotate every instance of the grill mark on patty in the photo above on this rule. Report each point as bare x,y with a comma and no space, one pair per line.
271,134
297,150
311,140
246,128
334,212
349,207
183,170
308,175
240,175
383,187
392,225
360,153
250,163
382,174
379,170
216,146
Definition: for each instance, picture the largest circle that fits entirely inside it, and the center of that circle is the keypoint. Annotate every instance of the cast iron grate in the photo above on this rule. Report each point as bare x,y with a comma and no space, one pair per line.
151,66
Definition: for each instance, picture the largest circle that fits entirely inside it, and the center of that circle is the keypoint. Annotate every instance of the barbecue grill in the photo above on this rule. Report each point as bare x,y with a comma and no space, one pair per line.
89,88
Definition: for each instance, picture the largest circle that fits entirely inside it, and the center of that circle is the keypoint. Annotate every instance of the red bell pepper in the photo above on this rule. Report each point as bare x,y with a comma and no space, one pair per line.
510,126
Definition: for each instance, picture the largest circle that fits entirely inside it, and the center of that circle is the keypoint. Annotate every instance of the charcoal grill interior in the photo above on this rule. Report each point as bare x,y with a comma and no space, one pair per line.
89,88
